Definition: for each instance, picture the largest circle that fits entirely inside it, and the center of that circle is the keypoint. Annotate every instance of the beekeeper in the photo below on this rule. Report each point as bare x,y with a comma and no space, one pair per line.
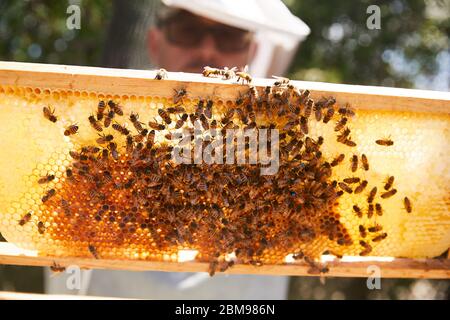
186,36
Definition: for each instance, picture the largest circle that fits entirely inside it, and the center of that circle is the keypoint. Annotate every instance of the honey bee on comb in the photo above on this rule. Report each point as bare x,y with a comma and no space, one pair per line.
179,95
408,205
385,142
71,130
25,219
49,114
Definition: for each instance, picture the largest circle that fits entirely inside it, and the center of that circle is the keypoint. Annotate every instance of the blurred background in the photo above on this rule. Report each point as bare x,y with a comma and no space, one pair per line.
411,50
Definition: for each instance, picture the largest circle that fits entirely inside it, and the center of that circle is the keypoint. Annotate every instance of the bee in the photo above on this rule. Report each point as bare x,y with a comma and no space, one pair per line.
227,117
46,179
90,149
41,227
139,137
378,209
101,110
361,187
372,195
365,162
244,76
380,237
328,115
105,138
134,118
180,122
343,136
240,100
94,123
204,122
209,71
389,193
227,73
362,231
354,163
66,207
113,149
309,107
50,193
108,119
69,173
357,210
208,109
77,156
165,116
281,81
385,142
116,108
121,129
367,248
199,107
346,111
318,112
352,180
320,141
56,268
129,144
176,109
337,160
345,187
349,143
161,74
25,219
150,139
340,124
105,154
70,130
304,124
179,95
107,176
93,251
375,228
408,205
304,96
389,183
156,126
49,114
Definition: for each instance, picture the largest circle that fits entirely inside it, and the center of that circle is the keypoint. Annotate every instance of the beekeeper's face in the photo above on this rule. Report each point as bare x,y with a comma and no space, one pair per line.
187,42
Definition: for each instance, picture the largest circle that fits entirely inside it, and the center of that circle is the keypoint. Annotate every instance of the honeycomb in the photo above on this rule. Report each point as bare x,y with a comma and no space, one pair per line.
71,194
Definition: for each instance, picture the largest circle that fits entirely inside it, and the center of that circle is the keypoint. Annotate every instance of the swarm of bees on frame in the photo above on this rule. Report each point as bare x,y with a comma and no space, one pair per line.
126,189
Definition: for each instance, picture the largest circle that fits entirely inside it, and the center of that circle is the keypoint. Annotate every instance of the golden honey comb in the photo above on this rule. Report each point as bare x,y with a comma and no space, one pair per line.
34,147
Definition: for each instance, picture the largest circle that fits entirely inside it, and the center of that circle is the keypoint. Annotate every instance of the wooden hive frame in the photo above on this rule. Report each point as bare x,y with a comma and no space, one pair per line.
140,83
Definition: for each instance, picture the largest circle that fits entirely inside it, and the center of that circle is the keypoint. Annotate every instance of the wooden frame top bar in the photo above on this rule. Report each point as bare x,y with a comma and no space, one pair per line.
142,83
347,267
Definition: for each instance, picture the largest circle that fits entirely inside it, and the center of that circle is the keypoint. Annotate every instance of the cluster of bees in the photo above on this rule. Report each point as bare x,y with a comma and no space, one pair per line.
125,189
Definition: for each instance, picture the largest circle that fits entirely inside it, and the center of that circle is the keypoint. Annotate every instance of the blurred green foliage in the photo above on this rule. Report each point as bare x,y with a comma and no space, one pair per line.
35,31
410,50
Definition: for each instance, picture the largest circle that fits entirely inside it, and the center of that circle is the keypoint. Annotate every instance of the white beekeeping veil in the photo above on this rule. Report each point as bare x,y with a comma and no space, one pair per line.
278,32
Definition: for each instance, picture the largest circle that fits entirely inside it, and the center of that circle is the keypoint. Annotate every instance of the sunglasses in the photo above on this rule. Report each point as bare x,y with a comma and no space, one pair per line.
189,32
